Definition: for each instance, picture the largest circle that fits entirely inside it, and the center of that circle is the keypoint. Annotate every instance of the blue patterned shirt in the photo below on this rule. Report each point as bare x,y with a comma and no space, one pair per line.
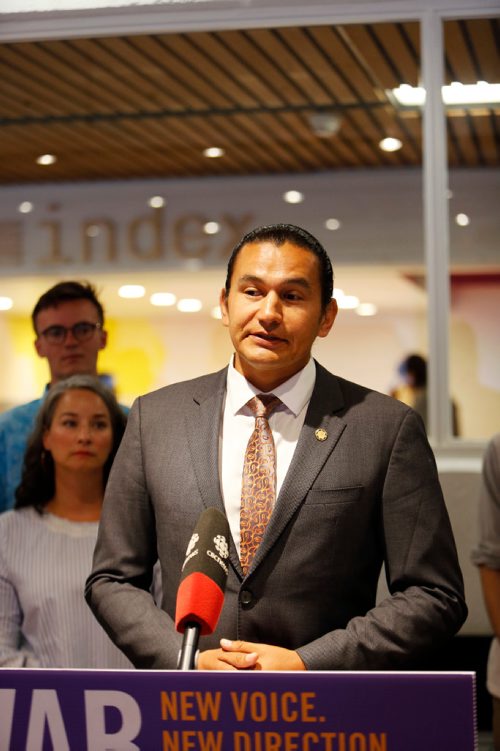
15,427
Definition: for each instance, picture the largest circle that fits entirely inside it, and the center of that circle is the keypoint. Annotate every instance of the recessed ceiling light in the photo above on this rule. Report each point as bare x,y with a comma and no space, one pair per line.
211,228
332,224
213,152
163,299
390,144
6,303
348,302
462,220
338,293
216,312
189,305
455,95
156,202
25,207
132,291
293,196
46,159
366,309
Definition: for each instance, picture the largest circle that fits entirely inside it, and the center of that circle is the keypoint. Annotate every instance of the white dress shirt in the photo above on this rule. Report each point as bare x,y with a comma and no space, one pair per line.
238,424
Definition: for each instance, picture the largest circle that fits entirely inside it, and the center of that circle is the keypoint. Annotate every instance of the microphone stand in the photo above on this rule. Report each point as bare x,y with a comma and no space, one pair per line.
189,647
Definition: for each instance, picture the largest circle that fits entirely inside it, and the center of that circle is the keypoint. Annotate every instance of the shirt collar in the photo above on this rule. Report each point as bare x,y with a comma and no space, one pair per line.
294,393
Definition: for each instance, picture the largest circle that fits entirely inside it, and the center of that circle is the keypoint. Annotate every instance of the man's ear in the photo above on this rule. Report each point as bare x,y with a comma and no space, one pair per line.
223,307
328,318
103,334
39,346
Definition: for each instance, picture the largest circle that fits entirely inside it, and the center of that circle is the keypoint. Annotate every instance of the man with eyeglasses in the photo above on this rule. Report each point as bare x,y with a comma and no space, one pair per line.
69,325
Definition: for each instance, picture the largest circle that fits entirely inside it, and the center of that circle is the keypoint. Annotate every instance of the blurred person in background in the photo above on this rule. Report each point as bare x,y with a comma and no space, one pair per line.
68,321
47,541
487,557
413,371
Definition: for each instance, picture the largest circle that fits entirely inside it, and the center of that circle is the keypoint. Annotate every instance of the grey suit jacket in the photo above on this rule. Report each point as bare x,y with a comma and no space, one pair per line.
367,495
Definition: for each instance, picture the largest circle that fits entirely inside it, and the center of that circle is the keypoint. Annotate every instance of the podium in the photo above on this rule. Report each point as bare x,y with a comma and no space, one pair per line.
150,710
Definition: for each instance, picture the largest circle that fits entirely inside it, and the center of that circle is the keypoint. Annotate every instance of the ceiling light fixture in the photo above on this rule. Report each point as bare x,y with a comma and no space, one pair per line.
390,144
462,220
455,95
332,224
156,202
348,302
163,299
213,152
189,305
293,196
132,291
366,309
216,313
46,159
324,124
25,207
211,228
6,303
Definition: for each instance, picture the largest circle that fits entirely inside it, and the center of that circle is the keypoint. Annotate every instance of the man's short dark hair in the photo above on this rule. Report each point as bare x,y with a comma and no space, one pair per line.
66,292
279,234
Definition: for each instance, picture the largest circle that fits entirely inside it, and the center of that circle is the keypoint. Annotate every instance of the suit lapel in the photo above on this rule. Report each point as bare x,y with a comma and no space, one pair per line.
202,421
310,455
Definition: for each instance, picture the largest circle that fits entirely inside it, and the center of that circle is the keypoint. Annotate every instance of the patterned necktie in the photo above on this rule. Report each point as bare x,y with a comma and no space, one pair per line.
259,479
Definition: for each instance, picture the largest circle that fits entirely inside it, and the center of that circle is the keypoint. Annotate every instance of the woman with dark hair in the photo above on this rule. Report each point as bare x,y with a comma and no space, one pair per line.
47,541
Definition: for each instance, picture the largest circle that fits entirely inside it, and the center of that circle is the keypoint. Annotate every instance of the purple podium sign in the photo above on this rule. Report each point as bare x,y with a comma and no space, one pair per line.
91,710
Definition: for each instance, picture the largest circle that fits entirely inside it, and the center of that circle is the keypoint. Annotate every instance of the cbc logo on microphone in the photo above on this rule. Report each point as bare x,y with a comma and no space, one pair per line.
222,553
192,543
221,546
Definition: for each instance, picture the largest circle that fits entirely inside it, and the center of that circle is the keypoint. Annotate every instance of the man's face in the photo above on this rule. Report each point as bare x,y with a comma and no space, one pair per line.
273,311
71,356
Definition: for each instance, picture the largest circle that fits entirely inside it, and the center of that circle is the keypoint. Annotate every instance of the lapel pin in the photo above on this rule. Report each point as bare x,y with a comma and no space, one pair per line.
321,434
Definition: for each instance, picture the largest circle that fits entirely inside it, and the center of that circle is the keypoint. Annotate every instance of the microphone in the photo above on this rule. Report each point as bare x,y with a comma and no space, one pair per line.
203,579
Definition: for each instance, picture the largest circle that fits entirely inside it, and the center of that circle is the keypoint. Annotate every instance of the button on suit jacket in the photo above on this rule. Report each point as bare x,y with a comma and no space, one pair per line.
368,495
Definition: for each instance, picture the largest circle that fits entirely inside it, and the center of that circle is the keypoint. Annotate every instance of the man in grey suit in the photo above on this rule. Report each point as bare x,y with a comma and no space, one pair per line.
356,488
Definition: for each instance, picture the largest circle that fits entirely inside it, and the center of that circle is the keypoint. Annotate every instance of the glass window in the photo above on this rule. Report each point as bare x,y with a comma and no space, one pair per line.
472,66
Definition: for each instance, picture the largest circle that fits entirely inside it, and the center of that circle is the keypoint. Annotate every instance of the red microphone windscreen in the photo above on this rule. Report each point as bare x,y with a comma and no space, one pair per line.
201,590
199,600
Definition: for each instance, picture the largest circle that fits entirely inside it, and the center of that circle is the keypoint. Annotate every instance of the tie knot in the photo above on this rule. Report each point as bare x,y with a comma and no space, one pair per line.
263,404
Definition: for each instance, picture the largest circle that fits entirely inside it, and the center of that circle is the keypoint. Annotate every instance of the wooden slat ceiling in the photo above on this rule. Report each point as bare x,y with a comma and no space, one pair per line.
147,106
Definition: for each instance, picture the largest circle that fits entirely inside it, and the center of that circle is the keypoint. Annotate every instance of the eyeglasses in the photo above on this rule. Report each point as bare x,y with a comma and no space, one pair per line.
81,331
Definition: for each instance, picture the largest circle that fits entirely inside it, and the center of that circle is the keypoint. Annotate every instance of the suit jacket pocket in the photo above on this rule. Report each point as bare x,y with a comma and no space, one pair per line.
327,496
